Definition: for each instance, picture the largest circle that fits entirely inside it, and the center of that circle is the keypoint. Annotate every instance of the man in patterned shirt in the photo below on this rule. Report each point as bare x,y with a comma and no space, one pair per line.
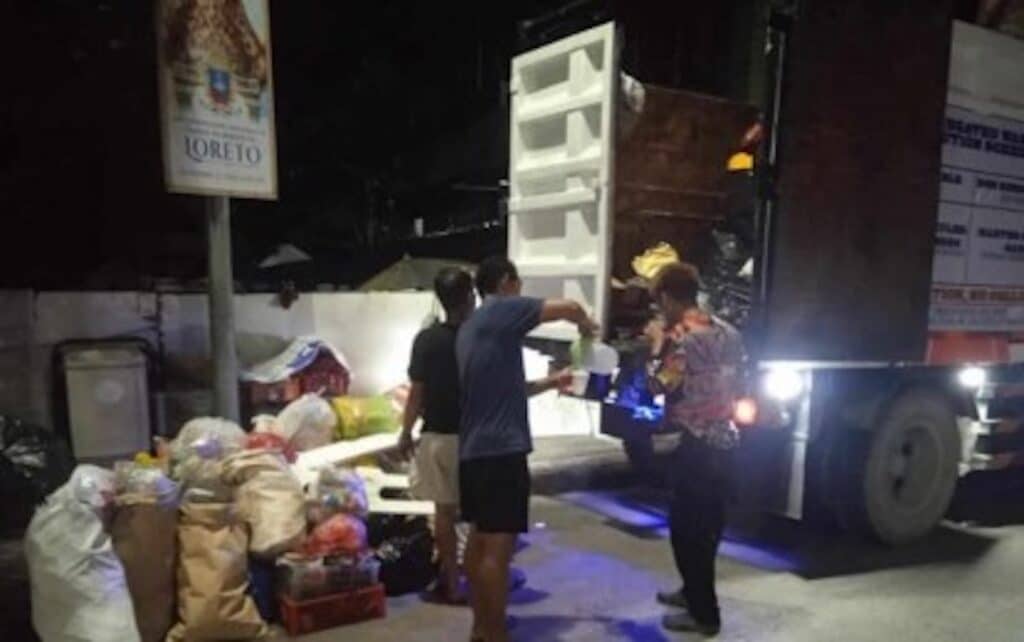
695,363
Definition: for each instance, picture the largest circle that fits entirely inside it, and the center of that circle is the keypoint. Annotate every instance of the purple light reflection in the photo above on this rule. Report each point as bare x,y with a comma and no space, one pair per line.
638,516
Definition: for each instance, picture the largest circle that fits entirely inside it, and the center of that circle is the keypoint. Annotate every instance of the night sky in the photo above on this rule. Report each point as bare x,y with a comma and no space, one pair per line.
386,112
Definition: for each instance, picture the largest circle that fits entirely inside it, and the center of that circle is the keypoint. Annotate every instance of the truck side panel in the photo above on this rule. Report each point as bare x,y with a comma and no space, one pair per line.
849,266
670,160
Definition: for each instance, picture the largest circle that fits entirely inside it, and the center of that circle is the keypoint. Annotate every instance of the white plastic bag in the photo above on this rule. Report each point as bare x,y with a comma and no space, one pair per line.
207,437
265,423
341,490
79,591
132,479
197,451
307,423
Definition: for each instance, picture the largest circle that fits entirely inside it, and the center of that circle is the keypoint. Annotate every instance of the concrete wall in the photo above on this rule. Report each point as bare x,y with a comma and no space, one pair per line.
374,331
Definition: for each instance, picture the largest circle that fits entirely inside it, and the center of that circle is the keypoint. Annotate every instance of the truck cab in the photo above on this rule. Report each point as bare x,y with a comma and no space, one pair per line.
868,255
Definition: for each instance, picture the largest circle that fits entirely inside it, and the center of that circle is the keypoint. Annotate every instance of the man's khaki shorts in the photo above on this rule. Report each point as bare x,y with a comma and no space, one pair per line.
435,469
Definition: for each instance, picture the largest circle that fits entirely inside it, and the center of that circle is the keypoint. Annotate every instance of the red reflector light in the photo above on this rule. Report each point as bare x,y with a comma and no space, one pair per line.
745,412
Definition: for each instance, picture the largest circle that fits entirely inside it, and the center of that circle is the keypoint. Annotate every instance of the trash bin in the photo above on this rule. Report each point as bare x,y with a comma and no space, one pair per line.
107,400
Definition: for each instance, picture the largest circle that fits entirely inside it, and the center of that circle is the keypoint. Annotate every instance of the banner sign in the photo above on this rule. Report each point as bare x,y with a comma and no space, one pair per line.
216,97
978,271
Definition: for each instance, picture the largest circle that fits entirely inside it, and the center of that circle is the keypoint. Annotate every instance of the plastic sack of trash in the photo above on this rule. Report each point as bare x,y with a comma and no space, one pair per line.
34,462
144,534
341,490
78,585
269,498
213,599
197,452
339,534
273,505
206,439
139,480
270,441
307,423
363,416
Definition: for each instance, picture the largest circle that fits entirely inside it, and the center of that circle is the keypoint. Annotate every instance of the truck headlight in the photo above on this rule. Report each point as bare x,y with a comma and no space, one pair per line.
972,377
783,384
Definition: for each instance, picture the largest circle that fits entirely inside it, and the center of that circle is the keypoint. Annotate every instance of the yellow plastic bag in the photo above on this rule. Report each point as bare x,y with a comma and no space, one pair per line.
362,416
650,262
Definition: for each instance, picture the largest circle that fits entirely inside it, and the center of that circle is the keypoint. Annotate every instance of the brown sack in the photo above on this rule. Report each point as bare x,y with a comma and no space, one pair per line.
269,499
240,467
143,535
213,577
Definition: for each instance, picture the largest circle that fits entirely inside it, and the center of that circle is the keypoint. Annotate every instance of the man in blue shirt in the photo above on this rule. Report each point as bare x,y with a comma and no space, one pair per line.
494,437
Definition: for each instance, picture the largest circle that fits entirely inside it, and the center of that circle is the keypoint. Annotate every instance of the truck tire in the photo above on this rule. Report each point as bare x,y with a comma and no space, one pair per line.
901,476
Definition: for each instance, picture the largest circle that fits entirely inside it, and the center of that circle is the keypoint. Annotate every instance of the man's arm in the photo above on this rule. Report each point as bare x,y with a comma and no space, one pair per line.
557,381
568,310
413,410
666,370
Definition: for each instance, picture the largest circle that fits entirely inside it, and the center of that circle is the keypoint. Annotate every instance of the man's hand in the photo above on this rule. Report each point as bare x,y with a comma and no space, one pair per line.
413,409
562,380
588,328
655,332
406,446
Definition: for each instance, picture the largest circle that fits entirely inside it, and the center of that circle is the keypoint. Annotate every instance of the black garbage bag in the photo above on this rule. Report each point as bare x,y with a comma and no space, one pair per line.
34,462
728,293
405,549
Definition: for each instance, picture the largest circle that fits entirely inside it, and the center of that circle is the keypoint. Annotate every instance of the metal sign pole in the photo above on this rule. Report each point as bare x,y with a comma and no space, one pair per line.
222,308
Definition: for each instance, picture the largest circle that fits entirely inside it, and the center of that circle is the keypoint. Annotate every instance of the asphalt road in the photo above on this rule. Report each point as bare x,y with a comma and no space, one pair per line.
594,561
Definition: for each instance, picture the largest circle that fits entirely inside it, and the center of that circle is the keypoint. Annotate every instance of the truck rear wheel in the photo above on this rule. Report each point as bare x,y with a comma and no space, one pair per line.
904,472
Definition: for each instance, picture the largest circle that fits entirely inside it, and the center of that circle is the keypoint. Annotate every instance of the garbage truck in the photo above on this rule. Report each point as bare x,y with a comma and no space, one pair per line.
881,225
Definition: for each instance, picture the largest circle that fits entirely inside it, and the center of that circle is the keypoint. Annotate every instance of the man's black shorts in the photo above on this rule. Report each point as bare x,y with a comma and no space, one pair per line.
495,493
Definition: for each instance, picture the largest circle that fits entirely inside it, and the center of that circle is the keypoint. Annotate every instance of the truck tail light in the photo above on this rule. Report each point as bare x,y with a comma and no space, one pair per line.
745,412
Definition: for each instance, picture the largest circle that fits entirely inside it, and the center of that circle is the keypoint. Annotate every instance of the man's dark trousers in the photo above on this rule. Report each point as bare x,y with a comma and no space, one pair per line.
701,477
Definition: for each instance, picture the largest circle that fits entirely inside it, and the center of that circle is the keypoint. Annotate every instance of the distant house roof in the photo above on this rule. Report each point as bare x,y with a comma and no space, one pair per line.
284,255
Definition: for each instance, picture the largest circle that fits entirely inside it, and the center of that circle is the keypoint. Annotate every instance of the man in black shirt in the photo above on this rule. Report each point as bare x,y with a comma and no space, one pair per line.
434,396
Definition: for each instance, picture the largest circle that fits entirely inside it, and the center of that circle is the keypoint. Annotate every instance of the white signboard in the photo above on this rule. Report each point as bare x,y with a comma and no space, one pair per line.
216,95
978,271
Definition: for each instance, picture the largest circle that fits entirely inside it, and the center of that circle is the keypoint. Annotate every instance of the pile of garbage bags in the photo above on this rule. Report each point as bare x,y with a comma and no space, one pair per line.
727,274
727,277
34,462
198,541
83,578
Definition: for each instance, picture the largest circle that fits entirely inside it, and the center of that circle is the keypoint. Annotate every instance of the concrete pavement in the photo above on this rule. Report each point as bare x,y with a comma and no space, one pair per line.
595,559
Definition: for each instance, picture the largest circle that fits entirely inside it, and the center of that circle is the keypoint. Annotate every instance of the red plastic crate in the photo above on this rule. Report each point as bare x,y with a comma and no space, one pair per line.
328,612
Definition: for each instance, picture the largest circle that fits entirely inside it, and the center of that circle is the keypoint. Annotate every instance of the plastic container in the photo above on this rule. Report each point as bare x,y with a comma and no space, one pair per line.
301,577
579,382
309,616
346,573
599,358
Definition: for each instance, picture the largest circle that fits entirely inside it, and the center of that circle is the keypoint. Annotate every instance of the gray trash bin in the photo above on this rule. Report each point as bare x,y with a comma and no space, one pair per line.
108,400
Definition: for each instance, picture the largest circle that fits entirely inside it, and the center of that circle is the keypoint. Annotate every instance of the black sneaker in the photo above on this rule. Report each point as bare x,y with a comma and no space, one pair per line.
684,623
672,598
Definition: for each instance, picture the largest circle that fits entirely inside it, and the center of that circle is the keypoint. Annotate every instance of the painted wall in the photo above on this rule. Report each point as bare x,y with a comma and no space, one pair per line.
373,330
